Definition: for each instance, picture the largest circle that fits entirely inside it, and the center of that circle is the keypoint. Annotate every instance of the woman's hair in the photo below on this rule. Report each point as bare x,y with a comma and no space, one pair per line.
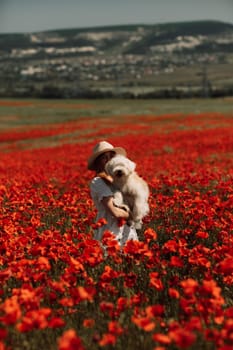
96,162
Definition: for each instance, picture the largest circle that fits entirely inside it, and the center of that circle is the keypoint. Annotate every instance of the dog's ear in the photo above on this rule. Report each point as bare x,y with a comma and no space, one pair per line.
132,165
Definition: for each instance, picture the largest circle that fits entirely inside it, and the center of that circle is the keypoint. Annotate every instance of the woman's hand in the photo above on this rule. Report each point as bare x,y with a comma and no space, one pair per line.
117,212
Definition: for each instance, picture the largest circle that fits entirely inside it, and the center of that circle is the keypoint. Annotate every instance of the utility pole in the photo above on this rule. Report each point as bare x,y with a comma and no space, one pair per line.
205,83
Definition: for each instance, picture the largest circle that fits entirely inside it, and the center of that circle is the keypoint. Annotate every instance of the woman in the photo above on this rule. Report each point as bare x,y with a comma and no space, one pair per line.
102,194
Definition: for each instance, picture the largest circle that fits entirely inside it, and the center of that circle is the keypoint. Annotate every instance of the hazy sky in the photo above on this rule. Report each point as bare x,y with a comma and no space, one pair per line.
37,15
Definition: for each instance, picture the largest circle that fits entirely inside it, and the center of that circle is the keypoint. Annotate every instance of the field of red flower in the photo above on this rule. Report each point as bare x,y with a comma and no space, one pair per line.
171,290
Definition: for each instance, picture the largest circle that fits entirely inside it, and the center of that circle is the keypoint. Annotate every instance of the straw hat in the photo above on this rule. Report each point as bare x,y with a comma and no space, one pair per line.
101,148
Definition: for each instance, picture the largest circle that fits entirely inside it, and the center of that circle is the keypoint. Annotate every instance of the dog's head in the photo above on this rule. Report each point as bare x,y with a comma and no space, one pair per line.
119,167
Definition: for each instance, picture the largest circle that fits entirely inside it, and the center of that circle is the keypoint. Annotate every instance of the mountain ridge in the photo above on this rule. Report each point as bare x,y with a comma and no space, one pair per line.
208,27
123,26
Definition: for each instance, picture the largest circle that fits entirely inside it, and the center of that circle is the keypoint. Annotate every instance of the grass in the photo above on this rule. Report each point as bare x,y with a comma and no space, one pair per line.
34,112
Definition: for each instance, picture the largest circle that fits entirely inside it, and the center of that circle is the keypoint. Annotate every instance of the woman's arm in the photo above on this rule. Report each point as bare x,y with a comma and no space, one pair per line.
118,213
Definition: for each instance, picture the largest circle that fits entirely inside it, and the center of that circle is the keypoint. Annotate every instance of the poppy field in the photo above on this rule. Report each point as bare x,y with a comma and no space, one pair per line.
172,289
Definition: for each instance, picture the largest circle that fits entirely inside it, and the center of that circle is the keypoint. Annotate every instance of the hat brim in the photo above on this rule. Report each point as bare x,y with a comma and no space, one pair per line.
117,150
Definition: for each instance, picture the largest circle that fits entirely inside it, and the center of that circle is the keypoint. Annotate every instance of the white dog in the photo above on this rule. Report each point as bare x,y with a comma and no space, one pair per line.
133,191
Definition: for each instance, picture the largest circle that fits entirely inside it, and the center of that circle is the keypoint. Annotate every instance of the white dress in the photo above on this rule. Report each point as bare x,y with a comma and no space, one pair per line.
99,189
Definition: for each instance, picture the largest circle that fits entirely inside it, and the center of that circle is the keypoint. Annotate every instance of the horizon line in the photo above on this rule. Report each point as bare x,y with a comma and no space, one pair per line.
114,25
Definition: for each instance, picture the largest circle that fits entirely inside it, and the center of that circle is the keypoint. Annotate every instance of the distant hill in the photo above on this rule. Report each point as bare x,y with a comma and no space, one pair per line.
133,38
108,56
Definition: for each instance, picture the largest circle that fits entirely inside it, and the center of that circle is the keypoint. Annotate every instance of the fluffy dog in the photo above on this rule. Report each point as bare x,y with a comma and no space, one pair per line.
133,191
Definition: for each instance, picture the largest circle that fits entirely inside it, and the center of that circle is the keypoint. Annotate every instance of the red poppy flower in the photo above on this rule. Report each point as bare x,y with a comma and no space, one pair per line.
174,293
144,323
70,341
162,338
183,338
108,339
189,286
155,281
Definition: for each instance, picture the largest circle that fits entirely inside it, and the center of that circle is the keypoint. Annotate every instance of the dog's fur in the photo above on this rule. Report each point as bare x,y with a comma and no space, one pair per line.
133,191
